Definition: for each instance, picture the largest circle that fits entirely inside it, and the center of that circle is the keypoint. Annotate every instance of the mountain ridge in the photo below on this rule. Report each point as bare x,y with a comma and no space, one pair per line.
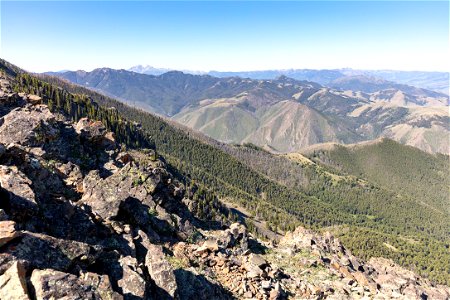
356,116
240,176
436,81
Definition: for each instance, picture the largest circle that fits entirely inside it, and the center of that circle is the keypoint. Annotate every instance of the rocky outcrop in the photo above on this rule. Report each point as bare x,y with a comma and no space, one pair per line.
160,269
15,186
107,196
43,251
29,126
132,282
51,284
394,281
95,132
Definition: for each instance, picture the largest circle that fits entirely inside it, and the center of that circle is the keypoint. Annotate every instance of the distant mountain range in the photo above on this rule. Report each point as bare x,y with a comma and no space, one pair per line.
283,114
435,81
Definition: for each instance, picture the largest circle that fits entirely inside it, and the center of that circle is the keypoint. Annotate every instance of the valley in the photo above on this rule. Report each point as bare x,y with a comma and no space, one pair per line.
282,192
283,114
229,150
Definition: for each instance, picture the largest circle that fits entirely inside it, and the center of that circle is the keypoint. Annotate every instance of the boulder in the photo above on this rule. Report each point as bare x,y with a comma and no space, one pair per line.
13,285
208,245
253,271
365,281
257,260
52,284
101,284
89,129
28,126
236,234
17,188
43,251
34,99
7,232
160,270
132,282
95,132
105,197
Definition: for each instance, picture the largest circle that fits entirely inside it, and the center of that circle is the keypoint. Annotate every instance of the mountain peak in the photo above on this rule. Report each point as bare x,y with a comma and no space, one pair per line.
149,70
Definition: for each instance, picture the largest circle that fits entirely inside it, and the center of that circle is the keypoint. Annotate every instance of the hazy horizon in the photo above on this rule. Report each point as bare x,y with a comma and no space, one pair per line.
236,71
228,36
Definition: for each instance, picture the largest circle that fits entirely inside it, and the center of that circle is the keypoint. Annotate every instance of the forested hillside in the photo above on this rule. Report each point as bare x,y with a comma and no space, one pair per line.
422,176
283,114
320,198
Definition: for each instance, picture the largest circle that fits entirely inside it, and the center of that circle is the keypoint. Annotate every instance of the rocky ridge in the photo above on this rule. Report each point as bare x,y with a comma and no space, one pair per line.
81,217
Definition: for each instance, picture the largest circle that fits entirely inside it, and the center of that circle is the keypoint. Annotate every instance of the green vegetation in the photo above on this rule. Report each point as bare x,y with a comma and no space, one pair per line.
283,192
407,170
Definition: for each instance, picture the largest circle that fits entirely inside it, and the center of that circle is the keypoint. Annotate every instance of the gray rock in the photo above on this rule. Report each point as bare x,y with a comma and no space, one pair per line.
17,187
43,251
101,284
257,260
253,271
107,196
28,126
95,132
132,282
160,270
52,284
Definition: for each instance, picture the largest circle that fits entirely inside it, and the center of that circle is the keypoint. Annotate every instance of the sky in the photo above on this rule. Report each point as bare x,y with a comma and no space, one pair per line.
226,36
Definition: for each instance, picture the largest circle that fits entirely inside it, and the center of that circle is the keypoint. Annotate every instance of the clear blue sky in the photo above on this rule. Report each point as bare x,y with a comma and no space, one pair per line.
226,36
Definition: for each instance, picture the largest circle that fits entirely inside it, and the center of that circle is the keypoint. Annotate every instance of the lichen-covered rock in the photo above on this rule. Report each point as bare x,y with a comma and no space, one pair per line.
13,284
28,126
101,285
52,284
16,188
106,196
160,270
43,251
132,282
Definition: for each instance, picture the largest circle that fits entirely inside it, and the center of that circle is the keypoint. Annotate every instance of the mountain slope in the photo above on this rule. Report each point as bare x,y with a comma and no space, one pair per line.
285,126
434,81
325,202
399,168
384,90
83,218
230,109
222,119
288,125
